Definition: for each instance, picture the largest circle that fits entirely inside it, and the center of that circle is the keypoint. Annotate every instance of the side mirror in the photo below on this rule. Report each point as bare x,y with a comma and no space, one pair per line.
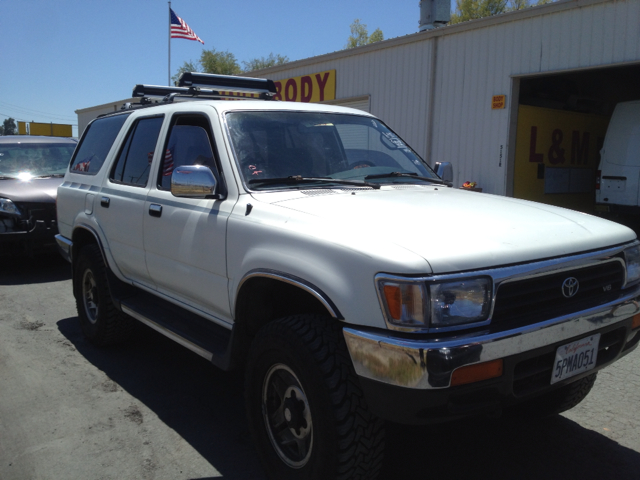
445,171
194,181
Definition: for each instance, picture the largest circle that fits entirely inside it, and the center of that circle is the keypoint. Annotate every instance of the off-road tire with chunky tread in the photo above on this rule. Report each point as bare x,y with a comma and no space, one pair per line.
348,440
558,401
110,326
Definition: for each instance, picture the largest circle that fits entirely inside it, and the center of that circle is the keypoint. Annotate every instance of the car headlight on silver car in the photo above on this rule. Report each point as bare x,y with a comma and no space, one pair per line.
414,305
8,207
632,259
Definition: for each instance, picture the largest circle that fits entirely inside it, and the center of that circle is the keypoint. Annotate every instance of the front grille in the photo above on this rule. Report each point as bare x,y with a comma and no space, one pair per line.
42,211
541,298
35,212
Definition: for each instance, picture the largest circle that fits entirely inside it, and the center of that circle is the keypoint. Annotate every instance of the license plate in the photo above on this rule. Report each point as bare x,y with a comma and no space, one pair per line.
575,357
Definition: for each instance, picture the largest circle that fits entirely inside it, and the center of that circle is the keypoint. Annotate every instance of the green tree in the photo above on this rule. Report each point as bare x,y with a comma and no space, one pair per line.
211,61
186,67
360,35
9,127
262,62
472,9
376,36
222,63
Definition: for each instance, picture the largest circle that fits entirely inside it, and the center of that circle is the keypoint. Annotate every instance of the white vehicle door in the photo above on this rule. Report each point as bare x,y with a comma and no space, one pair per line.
119,206
184,238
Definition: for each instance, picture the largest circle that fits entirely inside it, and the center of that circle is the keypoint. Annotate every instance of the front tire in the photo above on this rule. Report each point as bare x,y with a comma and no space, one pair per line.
306,412
101,323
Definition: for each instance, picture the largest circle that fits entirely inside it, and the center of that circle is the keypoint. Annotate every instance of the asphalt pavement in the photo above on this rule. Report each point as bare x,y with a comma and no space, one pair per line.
151,409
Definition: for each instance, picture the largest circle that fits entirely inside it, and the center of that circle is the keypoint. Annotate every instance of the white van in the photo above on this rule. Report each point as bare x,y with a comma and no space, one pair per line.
618,177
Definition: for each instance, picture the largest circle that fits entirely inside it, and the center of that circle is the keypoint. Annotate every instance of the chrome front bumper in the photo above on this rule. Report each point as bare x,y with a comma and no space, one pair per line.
428,364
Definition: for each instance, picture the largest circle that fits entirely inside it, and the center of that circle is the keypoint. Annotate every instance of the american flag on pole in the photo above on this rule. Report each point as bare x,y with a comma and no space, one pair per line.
180,29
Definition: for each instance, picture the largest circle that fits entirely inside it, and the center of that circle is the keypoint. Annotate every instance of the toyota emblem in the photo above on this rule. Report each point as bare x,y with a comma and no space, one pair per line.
570,287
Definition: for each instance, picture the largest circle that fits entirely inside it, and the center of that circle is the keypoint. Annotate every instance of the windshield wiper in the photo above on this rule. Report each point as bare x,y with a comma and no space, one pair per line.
300,179
410,175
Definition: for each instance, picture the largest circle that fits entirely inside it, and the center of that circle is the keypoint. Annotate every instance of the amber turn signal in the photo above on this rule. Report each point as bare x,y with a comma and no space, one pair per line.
394,300
636,321
477,372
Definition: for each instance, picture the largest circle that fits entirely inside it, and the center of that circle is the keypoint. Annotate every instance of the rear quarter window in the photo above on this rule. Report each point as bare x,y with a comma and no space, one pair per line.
95,144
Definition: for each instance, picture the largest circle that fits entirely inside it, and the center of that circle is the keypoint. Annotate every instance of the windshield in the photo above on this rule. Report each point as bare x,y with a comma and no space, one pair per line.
322,146
26,160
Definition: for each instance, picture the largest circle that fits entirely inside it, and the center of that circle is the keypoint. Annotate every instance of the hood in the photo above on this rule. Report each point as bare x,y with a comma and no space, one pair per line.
455,230
37,190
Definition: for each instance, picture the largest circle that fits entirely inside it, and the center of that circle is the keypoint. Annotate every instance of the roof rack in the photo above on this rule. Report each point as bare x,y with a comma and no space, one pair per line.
207,86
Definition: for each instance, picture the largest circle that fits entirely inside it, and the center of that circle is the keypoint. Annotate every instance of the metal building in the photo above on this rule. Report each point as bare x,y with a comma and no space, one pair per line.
517,102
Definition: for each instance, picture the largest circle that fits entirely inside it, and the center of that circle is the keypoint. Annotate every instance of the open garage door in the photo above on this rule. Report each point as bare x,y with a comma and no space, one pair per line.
557,156
562,121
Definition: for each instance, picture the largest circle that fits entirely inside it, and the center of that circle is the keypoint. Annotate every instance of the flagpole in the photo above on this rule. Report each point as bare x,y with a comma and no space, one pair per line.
169,69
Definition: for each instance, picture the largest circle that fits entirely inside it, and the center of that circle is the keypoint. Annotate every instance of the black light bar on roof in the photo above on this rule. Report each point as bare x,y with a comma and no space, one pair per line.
227,83
192,86
157,91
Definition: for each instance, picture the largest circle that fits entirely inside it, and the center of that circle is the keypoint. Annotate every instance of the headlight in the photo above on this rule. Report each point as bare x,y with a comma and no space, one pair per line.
414,305
632,258
8,207
460,301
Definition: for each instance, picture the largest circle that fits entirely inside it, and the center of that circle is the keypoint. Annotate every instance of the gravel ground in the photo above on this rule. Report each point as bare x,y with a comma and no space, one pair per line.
153,410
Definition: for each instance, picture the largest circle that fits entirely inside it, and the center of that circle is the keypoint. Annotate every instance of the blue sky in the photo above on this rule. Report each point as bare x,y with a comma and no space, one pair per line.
60,56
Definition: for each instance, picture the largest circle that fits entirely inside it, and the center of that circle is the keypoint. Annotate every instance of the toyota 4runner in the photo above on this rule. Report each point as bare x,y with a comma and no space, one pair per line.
310,246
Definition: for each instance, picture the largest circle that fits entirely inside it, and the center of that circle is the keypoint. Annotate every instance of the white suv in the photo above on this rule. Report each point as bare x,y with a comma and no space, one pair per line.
309,245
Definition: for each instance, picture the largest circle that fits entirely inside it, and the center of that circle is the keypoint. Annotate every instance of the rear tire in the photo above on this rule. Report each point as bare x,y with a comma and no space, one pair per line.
307,414
557,401
101,323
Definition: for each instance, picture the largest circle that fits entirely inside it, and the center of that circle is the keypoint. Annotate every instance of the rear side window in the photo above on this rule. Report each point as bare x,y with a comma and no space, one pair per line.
134,160
95,144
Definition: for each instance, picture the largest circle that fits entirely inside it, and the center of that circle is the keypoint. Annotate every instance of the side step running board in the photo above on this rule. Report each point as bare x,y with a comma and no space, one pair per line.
168,333
198,334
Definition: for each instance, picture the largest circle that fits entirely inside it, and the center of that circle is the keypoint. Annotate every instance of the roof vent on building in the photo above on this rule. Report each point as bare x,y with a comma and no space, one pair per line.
434,13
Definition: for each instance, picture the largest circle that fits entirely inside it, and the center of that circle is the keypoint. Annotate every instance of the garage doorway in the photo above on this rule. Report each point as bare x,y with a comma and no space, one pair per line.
561,124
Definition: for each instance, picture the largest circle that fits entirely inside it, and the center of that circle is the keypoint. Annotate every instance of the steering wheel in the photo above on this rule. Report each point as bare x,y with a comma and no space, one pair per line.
361,164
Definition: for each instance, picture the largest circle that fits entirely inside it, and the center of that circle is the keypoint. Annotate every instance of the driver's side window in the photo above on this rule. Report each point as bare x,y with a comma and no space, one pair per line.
189,144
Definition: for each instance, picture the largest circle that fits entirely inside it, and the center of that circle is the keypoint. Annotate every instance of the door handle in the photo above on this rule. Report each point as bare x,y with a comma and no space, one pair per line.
155,210
105,201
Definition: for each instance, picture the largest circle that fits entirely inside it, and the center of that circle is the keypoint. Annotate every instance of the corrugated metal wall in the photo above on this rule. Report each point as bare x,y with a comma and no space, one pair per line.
474,65
476,60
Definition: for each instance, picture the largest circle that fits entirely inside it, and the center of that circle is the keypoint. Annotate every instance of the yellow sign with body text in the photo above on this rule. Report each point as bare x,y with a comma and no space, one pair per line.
313,88
498,102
